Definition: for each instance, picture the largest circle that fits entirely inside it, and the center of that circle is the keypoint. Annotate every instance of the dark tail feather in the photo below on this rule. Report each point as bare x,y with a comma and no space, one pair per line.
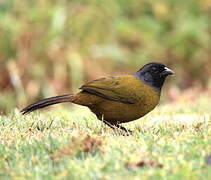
47,102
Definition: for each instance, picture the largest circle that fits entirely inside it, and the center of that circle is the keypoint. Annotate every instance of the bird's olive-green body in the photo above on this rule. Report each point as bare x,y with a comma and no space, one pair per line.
141,97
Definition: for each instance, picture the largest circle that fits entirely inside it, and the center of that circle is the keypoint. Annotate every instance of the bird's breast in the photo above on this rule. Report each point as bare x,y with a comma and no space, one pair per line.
118,112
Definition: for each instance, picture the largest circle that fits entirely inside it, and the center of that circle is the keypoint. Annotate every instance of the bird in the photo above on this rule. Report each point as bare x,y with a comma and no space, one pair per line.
117,99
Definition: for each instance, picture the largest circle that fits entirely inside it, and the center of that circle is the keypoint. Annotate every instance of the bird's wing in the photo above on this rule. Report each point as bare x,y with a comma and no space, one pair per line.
113,88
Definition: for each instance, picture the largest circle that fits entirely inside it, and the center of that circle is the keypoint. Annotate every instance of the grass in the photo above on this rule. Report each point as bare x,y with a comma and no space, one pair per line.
171,142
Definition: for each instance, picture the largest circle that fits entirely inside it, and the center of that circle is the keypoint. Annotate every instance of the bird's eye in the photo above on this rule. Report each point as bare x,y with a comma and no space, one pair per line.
155,70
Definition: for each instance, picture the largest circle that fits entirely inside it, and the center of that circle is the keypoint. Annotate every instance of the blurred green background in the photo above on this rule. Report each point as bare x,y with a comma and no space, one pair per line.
50,47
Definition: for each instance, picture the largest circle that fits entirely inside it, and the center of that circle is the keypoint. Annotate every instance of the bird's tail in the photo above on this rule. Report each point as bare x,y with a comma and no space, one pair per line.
47,102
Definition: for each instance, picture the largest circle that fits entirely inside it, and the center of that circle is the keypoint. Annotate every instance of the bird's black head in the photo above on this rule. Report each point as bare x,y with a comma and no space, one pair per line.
154,74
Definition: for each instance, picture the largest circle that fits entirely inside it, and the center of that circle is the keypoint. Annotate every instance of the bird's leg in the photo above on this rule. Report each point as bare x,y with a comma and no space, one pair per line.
114,126
109,124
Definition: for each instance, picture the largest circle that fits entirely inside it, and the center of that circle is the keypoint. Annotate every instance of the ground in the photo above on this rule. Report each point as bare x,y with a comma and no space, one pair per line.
68,142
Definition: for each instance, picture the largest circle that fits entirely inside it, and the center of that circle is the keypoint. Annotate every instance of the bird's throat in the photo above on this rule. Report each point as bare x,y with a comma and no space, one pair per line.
155,83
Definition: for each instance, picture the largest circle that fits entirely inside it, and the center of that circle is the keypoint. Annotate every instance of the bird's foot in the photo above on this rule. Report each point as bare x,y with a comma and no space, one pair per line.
127,132
117,126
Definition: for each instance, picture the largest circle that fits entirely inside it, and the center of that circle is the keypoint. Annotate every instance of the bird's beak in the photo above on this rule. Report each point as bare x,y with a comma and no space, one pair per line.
168,71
